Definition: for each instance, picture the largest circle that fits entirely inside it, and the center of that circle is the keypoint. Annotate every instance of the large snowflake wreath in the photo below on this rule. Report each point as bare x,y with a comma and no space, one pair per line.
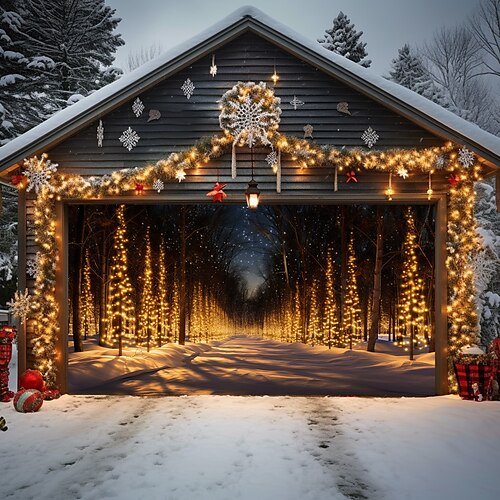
39,172
250,112
20,305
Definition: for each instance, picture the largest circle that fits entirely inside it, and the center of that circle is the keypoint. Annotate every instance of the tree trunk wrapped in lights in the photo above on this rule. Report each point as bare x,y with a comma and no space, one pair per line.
120,311
162,297
351,317
87,302
148,314
331,333
412,304
314,328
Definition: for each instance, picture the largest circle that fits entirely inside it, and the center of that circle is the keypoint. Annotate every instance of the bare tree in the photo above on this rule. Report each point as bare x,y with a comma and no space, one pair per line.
485,27
454,59
143,55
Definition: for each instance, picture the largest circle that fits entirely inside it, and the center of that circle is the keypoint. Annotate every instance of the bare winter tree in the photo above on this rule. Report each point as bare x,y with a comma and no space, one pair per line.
454,59
485,26
144,54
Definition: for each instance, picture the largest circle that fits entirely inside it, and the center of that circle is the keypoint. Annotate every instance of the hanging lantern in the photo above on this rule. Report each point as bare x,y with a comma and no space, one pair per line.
252,193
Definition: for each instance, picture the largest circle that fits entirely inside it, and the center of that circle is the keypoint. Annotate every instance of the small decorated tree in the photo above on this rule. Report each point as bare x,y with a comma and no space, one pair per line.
120,311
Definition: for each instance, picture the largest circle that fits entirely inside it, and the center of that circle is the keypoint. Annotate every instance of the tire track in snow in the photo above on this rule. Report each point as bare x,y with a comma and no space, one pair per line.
333,451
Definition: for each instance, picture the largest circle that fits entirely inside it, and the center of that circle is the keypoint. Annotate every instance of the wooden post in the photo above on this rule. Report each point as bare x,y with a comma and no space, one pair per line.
21,265
61,343
441,298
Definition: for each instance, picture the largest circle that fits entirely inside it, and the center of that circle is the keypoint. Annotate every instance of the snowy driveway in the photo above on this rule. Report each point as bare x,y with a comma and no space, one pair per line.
254,366
251,448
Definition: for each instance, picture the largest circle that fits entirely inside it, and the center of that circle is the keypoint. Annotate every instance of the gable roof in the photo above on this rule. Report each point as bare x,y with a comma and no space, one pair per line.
407,103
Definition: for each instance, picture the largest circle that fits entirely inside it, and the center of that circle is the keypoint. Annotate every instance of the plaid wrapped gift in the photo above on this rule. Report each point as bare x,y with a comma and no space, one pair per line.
7,336
470,373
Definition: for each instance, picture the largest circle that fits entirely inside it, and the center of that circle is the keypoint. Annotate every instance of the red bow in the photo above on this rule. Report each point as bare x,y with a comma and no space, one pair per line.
217,192
16,179
139,189
351,176
454,179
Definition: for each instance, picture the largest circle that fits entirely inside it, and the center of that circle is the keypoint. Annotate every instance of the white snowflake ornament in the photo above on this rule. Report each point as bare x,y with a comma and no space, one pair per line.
296,103
440,162
39,173
370,137
129,139
188,88
272,158
20,305
100,134
403,172
32,266
466,157
138,107
158,185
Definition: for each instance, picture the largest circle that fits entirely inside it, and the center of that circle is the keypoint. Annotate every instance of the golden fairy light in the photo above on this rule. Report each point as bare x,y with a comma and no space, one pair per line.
461,240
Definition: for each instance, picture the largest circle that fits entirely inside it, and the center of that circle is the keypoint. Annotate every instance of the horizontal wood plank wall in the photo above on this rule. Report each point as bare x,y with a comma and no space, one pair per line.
184,121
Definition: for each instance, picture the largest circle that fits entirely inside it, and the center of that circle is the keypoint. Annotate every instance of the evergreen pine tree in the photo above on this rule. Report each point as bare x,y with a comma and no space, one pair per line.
87,304
164,335
148,313
351,317
409,71
331,334
49,52
343,39
488,298
412,306
120,313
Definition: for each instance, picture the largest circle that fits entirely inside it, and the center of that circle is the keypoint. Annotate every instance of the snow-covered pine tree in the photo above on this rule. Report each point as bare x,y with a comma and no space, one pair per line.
22,88
409,71
343,39
487,262
8,243
49,52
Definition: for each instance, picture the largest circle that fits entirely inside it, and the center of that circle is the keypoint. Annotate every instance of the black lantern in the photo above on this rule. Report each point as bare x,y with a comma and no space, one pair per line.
252,193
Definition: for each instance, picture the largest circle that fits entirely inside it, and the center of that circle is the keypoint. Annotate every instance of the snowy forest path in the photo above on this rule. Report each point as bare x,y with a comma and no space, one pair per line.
252,366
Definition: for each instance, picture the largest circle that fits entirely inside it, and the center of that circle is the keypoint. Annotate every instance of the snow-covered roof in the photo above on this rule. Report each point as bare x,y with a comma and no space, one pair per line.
402,100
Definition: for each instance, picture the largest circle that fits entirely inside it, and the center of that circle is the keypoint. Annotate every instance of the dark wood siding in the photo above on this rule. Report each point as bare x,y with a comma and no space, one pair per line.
184,121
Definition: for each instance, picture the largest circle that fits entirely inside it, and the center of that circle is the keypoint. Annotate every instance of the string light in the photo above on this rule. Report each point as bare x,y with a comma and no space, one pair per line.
389,191
275,77
461,241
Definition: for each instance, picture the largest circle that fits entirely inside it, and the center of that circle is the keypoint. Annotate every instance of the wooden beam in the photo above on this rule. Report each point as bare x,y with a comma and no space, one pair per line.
21,266
61,344
441,298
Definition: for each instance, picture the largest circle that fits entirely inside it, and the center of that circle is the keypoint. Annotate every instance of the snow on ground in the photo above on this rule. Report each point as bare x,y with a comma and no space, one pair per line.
266,448
251,366
235,447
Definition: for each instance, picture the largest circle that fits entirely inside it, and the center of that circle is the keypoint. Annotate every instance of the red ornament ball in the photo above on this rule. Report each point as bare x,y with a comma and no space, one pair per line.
28,400
32,379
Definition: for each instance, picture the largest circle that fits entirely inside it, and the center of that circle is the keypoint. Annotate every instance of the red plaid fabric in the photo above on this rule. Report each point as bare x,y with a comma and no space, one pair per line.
482,375
5,354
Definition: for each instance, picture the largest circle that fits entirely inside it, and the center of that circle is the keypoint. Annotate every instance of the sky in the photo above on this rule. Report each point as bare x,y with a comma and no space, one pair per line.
387,24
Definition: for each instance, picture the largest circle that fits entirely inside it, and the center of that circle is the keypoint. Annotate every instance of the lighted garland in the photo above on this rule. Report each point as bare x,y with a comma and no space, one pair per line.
462,238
